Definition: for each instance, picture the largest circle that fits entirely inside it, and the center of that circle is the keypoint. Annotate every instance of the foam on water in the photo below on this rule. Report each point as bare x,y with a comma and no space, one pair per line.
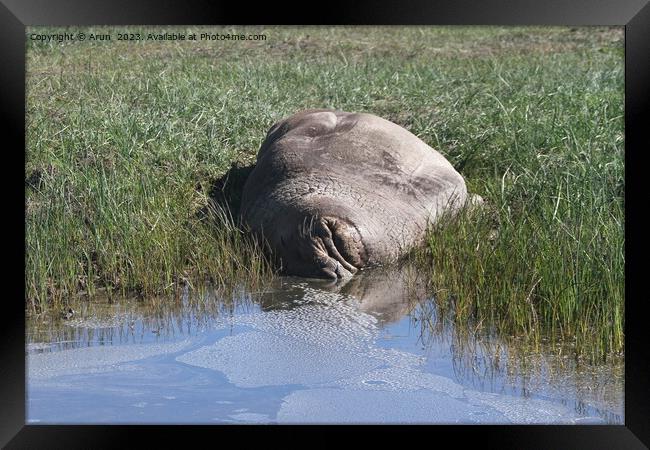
525,410
316,363
325,319
369,407
402,379
42,366
262,359
250,417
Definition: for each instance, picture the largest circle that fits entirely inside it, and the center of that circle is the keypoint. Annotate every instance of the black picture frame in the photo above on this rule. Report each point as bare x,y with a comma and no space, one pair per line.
15,15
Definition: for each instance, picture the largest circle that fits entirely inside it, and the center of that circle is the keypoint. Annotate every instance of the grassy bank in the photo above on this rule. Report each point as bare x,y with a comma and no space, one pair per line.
125,140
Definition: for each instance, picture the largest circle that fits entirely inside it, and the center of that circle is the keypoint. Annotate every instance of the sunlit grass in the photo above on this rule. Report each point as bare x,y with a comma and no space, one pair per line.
125,140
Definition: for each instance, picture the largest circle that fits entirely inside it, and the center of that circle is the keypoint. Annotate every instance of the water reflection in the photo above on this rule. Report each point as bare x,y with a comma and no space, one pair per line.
386,294
403,309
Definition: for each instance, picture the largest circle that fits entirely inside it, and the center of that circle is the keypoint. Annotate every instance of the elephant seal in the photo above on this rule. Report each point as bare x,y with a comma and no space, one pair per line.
333,192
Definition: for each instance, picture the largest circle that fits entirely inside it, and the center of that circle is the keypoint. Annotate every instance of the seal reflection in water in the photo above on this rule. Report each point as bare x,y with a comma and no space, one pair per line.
333,192
388,294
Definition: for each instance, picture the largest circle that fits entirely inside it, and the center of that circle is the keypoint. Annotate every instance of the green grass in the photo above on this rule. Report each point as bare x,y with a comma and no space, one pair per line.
124,140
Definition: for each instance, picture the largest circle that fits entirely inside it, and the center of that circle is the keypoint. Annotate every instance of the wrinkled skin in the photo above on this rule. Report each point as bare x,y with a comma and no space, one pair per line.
333,192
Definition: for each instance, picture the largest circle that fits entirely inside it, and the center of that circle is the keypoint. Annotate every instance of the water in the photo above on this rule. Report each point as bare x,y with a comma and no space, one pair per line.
371,350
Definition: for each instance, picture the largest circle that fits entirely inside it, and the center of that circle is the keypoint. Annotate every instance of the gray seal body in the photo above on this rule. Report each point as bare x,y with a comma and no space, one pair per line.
333,192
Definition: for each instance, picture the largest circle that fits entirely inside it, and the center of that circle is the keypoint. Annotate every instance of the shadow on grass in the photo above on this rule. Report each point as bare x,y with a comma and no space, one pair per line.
226,192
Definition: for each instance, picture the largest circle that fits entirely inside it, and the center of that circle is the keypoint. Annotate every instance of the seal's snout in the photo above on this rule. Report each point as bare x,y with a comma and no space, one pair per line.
333,263
324,249
329,233
334,270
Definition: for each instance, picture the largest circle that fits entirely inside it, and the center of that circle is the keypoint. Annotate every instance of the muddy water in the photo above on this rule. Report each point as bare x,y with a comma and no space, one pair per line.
371,350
